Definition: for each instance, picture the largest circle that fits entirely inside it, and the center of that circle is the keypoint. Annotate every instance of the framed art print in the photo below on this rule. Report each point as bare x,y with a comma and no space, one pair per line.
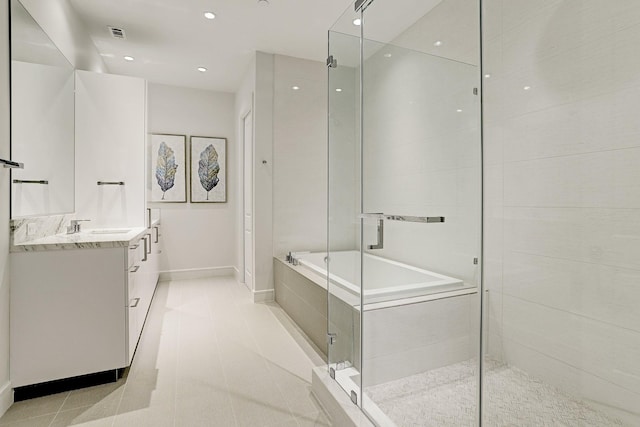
208,169
168,168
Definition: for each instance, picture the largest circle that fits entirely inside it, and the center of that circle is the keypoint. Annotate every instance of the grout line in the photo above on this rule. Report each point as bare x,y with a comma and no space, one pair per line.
60,408
572,260
180,291
269,369
218,348
550,307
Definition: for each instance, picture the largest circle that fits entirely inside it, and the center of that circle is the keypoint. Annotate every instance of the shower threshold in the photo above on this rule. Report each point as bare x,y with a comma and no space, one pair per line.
349,380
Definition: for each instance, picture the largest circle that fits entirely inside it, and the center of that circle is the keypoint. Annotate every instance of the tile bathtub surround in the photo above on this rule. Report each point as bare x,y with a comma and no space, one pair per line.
42,226
207,356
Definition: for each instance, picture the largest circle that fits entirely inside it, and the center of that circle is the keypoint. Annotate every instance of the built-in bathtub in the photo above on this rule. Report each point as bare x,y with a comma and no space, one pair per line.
414,320
384,280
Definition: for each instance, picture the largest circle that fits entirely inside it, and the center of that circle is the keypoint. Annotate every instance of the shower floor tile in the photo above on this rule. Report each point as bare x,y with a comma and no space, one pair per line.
447,397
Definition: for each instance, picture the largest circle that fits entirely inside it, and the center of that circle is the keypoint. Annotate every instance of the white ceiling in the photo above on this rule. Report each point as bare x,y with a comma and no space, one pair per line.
171,38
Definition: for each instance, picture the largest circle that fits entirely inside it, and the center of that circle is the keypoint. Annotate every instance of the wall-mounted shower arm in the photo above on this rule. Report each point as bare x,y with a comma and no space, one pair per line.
362,5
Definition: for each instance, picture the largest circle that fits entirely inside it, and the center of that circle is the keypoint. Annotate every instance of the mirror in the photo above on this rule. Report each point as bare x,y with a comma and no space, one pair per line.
42,121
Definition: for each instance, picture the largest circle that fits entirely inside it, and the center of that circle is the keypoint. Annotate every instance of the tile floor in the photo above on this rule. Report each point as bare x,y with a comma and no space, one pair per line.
208,356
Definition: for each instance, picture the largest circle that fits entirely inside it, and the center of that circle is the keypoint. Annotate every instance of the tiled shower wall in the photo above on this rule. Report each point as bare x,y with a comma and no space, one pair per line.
562,194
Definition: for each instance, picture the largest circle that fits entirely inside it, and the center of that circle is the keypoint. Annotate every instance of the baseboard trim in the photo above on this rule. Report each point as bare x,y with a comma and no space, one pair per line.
6,397
237,274
196,273
268,295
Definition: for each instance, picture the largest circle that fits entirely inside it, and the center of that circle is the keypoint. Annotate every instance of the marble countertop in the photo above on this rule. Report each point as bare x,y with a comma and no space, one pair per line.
86,239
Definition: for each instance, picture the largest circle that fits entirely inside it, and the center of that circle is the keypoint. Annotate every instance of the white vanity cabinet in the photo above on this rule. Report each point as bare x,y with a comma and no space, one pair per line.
142,278
79,311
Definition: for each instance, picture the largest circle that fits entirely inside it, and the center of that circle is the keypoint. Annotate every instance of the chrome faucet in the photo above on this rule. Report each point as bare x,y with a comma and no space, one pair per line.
74,227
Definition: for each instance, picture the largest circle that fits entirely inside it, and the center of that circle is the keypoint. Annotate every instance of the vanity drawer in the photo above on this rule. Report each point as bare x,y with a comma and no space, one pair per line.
133,254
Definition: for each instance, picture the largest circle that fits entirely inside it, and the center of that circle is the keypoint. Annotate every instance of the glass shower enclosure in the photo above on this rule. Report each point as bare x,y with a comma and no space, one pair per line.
484,195
404,211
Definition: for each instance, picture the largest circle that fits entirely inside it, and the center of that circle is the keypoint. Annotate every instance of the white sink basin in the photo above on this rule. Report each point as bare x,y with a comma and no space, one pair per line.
111,231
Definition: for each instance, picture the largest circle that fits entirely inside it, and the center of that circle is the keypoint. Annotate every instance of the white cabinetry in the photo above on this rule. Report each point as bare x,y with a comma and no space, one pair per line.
81,311
110,146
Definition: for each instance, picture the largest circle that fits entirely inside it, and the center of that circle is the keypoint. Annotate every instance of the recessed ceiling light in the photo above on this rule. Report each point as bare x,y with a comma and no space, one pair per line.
357,21
263,2
438,43
202,69
338,90
387,55
487,76
527,88
210,15
295,87
458,110
129,58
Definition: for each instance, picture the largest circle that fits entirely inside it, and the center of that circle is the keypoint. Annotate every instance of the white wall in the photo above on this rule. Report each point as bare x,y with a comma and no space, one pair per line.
110,146
263,174
43,138
6,393
299,155
422,158
65,28
563,195
199,236
243,104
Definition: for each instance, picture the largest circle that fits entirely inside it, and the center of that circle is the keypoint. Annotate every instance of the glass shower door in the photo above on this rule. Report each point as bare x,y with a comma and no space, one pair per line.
404,216
420,220
343,284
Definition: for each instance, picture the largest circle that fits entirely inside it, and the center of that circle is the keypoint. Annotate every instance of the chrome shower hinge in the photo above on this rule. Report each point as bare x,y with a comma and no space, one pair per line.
354,397
331,338
332,62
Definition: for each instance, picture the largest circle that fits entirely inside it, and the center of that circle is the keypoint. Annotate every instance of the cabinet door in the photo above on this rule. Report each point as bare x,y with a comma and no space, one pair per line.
68,314
110,146
133,310
135,302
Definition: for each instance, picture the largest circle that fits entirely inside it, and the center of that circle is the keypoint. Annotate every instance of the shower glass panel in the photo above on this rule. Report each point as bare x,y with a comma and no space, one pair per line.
562,209
344,205
405,210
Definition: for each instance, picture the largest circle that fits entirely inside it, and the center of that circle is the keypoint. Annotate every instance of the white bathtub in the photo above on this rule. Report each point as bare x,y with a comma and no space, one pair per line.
384,280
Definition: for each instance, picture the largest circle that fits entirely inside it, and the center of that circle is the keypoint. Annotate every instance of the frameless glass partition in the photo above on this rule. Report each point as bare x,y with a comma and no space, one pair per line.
556,175
405,210
344,206
42,120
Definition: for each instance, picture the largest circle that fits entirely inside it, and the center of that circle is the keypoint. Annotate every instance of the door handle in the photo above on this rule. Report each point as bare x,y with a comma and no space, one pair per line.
380,229
145,248
402,218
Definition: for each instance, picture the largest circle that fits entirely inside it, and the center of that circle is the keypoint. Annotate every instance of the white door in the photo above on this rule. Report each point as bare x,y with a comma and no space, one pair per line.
248,199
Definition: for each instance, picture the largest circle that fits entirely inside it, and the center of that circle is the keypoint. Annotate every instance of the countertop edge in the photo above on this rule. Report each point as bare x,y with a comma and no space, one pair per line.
87,241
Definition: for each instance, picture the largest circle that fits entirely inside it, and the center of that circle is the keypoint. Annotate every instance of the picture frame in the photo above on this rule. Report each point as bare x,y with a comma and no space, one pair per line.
168,168
208,169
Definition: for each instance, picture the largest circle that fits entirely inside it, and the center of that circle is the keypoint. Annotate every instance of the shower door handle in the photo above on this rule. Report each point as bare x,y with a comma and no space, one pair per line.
380,217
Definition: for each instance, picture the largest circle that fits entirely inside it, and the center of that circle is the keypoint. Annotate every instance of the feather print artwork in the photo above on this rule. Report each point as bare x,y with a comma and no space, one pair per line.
166,168
208,168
